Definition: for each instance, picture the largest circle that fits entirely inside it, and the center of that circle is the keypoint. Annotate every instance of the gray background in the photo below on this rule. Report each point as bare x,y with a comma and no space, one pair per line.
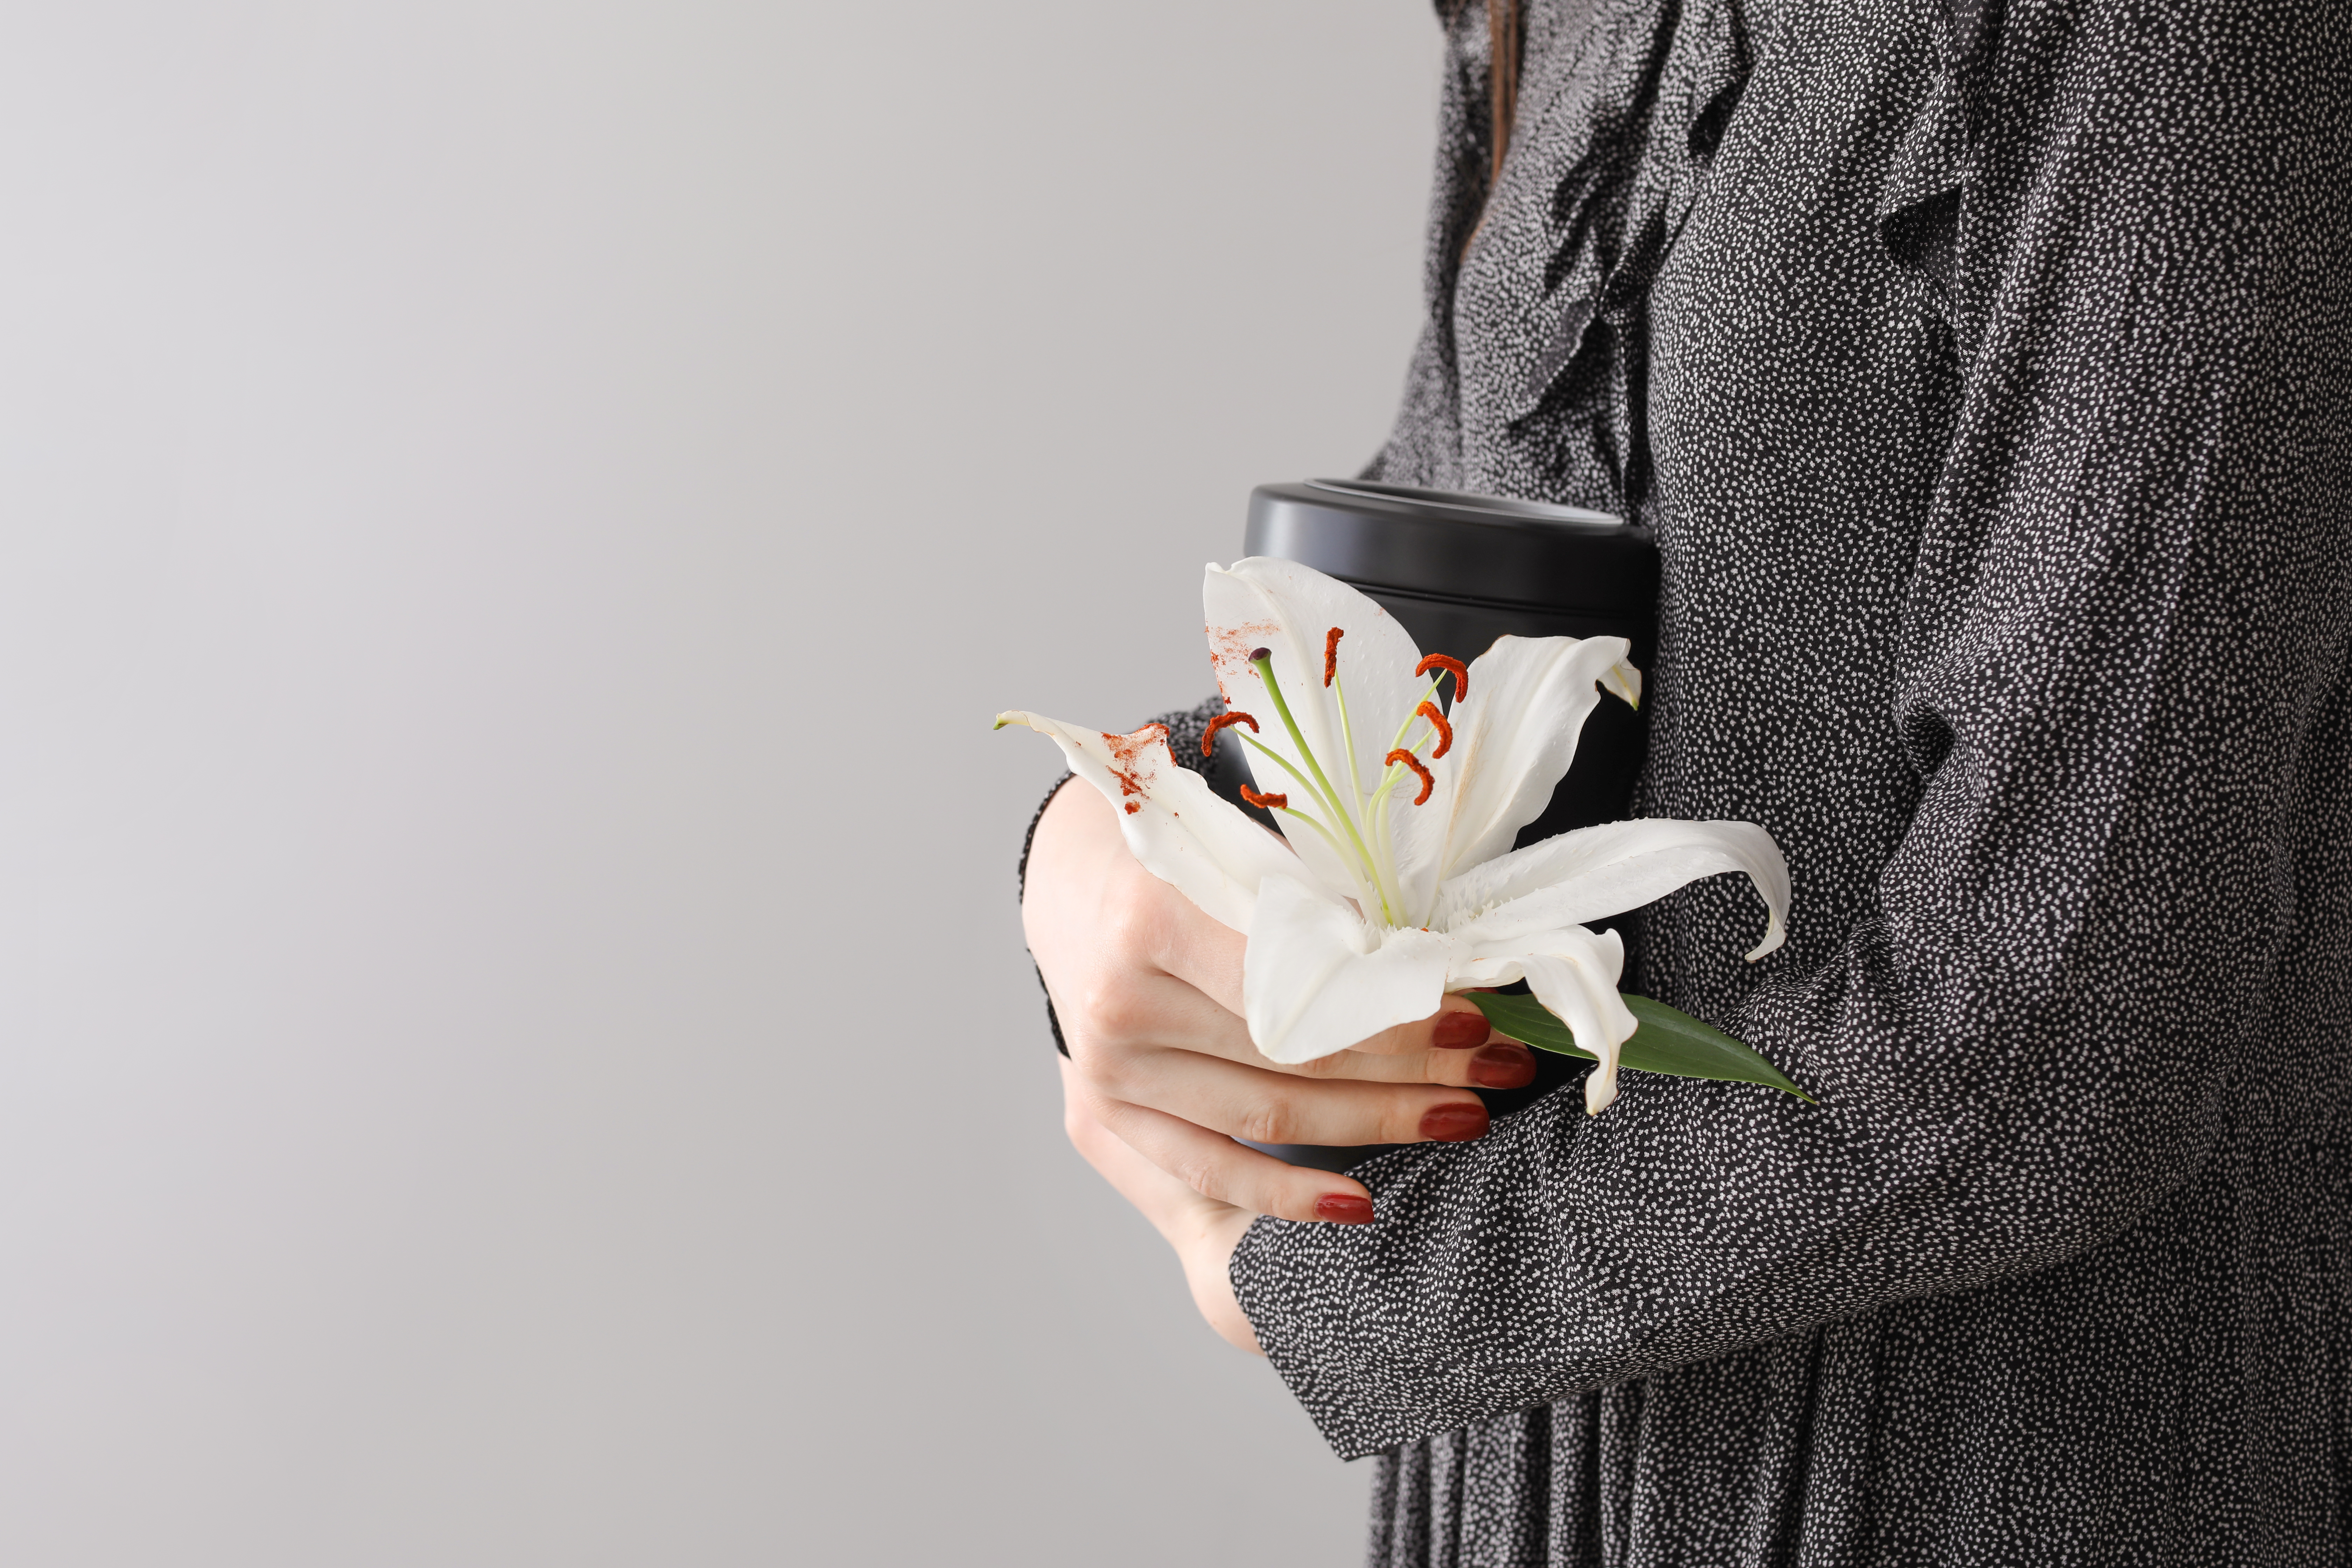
514,1040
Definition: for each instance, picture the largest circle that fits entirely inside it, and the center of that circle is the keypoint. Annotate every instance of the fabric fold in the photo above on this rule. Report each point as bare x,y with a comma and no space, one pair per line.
1651,129
1919,207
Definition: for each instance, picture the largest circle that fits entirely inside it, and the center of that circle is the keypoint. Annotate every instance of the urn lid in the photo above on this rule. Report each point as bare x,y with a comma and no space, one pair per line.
1469,548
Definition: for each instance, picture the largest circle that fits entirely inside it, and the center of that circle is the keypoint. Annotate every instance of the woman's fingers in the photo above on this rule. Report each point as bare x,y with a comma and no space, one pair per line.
1162,1011
1506,1063
1456,1025
1224,1172
1173,1207
1146,1009
1150,993
1151,1011
1276,1108
1453,1046
1203,1231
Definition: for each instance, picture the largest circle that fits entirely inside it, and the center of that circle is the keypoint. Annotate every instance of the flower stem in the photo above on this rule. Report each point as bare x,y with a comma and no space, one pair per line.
1384,874
1348,735
1254,745
1346,857
1336,848
1331,795
1426,693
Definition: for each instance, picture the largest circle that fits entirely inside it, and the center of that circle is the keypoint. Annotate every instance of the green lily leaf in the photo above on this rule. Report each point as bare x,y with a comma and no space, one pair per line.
1667,1040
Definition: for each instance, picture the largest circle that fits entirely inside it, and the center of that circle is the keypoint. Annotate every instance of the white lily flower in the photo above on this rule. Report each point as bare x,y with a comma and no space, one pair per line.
1400,882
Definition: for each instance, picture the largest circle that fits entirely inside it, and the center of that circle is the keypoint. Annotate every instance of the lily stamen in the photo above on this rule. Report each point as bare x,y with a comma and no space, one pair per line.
1276,801
1452,667
1232,716
1430,711
1428,779
1331,653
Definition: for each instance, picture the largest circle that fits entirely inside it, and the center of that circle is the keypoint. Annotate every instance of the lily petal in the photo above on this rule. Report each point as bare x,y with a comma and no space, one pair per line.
1624,681
1514,737
1581,987
1595,872
1173,821
1317,979
1574,972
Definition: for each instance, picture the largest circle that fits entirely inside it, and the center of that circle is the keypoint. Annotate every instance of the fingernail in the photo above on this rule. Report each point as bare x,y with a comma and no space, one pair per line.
1344,1208
1454,1123
1503,1067
1459,1031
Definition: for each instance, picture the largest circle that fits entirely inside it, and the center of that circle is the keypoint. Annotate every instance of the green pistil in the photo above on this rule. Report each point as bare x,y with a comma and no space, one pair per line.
1329,797
1322,785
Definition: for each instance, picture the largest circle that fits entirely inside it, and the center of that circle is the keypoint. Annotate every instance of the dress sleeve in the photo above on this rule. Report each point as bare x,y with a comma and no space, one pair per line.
2122,679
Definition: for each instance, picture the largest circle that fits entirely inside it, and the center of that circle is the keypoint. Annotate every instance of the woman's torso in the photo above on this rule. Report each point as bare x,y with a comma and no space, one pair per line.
1717,287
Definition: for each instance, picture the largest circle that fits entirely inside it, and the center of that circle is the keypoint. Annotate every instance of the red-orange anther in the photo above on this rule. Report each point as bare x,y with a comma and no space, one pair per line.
1209,735
1452,666
1429,710
1428,780
1332,652
1271,801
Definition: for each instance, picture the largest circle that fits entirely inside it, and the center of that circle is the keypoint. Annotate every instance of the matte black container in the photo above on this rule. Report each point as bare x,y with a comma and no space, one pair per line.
1457,572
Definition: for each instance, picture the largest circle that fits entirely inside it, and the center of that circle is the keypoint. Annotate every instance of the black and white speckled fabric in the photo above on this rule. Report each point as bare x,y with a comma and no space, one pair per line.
1983,370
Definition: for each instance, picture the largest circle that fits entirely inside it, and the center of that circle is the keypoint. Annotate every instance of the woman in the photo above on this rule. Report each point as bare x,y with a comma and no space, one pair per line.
1983,371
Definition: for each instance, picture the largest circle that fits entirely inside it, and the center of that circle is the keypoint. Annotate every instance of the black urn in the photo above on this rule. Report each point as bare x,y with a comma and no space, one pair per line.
1458,570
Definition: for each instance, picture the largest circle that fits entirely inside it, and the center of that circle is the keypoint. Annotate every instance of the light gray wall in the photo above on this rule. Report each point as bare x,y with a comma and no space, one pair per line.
514,1041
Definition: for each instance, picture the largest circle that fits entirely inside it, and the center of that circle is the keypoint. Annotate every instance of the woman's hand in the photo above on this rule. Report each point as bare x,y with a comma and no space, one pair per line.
1203,1231
1149,993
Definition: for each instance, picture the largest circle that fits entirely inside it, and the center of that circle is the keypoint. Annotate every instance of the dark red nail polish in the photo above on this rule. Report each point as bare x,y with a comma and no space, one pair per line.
1454,1123
1344,1208
1459,1031
1503,1067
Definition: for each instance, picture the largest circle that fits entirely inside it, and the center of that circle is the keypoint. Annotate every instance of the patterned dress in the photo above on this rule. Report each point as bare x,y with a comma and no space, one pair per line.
1982,369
